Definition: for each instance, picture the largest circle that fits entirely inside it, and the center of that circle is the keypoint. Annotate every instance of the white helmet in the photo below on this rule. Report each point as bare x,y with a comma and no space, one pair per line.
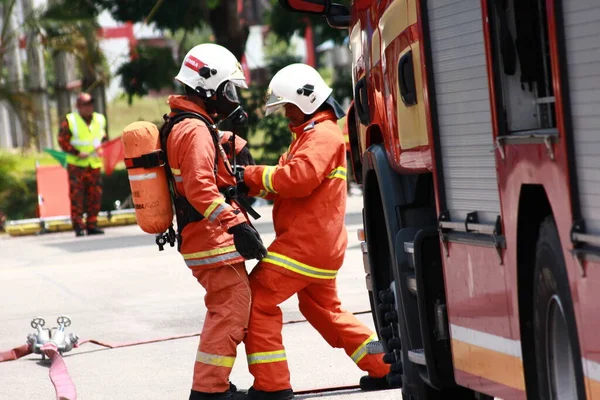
299,84
207,66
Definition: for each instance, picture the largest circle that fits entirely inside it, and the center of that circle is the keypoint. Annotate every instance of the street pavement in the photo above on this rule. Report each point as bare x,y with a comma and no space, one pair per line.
120,288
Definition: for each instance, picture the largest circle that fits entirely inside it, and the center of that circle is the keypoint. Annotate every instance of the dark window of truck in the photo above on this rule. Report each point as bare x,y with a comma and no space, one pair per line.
522,65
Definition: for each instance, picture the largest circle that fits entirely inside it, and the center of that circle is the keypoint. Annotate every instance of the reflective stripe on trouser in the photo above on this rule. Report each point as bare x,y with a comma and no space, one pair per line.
267,357
211,257
228,303
299,267
320,305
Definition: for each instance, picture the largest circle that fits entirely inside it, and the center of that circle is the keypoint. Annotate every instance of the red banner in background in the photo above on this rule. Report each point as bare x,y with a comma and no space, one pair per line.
112,153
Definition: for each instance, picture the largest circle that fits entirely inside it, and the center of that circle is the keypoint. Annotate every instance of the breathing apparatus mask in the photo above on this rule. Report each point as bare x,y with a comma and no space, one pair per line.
225,104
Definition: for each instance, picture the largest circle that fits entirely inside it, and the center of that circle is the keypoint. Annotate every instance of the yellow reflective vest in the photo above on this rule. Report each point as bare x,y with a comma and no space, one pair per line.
86,138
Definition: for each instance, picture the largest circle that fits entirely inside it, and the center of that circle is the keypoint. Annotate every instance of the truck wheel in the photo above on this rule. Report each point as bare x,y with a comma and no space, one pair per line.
557,353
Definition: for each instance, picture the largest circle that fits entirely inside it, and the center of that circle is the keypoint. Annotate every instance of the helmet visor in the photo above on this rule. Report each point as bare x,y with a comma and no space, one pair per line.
230,93
273,102
241,83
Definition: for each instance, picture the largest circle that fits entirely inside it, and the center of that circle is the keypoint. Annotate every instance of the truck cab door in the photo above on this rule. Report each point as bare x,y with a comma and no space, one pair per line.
403,84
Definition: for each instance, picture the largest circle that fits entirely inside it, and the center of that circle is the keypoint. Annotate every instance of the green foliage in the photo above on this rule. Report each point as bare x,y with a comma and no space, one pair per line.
18,189
342,84
71,10
18,193
152,69
285,23
272,130
169,14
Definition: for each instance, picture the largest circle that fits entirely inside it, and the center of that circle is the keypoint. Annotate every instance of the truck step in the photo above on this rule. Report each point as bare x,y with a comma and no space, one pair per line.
417,356
411,282
375,348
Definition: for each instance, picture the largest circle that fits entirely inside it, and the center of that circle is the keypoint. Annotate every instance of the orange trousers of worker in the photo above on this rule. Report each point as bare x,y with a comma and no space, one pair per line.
228,308
320,305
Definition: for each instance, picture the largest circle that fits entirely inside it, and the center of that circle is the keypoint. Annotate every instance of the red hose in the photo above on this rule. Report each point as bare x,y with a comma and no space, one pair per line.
16,353
64,387
137,343
327,389
59,375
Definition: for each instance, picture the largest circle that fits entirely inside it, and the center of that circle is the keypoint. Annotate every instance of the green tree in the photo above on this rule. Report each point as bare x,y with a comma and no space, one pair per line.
139,76
285,23
273,130
175,16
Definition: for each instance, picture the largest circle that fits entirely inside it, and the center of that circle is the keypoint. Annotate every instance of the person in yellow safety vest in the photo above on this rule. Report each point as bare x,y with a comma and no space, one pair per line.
81,133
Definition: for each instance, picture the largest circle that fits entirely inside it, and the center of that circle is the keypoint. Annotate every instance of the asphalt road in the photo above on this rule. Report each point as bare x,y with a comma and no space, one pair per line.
120,288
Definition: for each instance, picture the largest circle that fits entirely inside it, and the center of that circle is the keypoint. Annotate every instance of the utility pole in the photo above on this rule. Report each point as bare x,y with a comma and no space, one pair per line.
93,80
38,86
15,76
64,65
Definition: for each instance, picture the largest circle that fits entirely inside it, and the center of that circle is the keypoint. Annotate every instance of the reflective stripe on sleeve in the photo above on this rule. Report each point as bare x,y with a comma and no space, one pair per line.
263,194
298,267
266,357
214,359
210,256
267,179
339,172
361,351
177,174
216,208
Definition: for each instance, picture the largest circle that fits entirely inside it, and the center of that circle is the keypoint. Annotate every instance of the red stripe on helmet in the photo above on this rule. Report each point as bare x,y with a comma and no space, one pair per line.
193,63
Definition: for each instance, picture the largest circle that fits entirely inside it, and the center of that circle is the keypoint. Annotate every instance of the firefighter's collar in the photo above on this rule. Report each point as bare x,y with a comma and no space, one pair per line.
310,124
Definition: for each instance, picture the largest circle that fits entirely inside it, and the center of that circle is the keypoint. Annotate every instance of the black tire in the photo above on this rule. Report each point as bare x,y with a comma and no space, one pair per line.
553,319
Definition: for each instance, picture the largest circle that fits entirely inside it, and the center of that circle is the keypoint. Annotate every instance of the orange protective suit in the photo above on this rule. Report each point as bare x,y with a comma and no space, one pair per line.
309,192
208,249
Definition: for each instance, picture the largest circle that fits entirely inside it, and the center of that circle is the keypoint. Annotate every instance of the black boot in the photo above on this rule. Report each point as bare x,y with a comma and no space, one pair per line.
79,232
231,394
369,383
95,231
286,394
228,395
240,393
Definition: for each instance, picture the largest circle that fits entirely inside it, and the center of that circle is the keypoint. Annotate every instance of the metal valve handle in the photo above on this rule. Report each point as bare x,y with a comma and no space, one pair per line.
37,321
63,321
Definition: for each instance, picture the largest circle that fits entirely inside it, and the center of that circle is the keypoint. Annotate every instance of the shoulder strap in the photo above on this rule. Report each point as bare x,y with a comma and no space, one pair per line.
165,131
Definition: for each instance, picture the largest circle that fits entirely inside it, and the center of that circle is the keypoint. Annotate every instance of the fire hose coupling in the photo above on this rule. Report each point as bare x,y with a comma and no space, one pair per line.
64,341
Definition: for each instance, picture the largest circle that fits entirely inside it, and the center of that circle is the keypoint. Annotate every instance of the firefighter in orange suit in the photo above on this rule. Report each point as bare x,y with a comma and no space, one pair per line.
216,237
308,187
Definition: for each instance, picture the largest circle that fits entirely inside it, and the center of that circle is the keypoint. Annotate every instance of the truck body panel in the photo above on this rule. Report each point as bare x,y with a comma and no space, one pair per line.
463,109
504,116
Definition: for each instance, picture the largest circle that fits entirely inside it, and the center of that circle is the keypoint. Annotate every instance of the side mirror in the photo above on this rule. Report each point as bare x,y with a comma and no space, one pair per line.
318,7
338,16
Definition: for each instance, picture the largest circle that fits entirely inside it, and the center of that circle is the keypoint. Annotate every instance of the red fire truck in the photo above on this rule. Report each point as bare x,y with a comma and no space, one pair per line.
475,133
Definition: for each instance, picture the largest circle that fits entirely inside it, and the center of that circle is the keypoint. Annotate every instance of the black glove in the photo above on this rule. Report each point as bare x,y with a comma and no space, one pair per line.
241,188
248,242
